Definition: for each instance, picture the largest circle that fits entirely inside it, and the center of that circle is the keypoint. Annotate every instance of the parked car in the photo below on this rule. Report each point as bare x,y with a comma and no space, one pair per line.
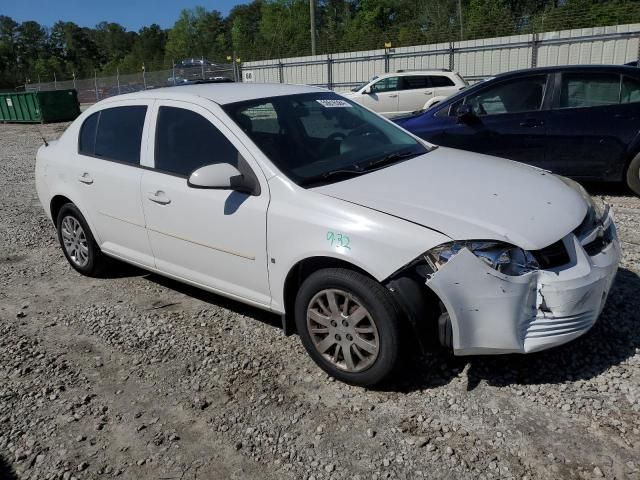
407,91
578,121
190,70
301,202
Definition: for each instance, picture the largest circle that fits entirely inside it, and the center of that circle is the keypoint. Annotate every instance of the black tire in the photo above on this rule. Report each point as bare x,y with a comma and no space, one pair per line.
96,262
383,312
633,175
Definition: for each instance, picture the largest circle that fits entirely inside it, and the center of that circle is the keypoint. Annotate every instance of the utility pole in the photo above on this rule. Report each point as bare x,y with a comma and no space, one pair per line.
312,17
460,19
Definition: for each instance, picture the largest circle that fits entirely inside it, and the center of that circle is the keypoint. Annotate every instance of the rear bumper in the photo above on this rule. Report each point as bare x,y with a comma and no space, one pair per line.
492,313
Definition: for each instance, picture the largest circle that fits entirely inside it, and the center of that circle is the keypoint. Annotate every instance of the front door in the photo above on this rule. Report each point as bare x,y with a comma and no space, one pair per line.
383,97
508,122
213,238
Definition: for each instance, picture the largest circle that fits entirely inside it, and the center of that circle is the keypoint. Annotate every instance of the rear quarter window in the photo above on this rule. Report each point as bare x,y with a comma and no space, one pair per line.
87,138
441,81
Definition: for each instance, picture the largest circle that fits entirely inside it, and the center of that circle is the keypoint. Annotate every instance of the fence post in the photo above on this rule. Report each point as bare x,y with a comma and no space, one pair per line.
280,71
329,72
173,72
144,76
39,82
534,50
386,58
55,81
202,67
452,57
74,80
95,85
118,79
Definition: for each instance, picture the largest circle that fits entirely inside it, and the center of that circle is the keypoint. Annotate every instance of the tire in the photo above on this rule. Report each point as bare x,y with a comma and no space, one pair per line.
342,348
77,242
633,175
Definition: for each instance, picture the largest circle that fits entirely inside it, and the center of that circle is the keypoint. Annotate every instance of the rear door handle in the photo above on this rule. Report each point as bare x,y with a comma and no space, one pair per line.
428,93
159,197
624,116
531,123
85,178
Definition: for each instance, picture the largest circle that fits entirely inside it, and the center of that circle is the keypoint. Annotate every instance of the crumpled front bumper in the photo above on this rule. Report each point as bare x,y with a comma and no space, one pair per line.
494,313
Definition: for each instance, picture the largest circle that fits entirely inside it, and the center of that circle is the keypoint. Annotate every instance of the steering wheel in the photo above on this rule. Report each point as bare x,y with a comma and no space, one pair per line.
329,142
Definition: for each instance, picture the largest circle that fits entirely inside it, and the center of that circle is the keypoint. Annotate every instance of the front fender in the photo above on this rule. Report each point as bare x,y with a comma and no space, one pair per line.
302,224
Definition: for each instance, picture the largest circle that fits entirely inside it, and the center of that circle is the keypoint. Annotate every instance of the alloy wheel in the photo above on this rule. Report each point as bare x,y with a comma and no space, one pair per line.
75,241
342,330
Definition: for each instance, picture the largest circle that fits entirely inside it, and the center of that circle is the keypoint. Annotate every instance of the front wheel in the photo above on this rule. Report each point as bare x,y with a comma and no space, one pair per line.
349,325
633,175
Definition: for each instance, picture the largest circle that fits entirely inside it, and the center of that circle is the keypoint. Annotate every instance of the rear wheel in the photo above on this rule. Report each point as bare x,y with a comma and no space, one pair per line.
77,242
633,175
349,325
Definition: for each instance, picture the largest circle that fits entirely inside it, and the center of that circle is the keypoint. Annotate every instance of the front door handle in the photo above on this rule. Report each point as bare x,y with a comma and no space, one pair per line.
428,93
531,123
159,197
85,178
393,95
624,116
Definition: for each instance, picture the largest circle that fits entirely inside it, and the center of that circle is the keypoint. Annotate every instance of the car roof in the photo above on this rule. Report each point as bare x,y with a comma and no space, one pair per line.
528,71
570,68
220,93
401,73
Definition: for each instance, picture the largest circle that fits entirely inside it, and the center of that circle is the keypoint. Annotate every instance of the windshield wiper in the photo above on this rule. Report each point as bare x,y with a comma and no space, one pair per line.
391,158
359,168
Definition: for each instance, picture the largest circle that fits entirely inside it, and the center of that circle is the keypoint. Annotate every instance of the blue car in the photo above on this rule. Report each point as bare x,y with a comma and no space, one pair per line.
579,121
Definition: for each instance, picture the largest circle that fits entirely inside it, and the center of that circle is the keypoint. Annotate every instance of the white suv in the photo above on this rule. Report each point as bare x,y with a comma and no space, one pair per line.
306,204
407,91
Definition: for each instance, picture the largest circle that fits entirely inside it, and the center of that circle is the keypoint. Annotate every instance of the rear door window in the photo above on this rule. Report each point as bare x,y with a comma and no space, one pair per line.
414,82
119,134
579,90
186,141
630,90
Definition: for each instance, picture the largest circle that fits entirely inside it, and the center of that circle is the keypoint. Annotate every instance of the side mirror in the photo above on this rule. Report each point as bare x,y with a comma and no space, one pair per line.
367,91
223,176
465,114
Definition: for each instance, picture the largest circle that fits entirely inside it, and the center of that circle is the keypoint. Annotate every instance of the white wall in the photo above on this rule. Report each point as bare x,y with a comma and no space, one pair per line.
474,59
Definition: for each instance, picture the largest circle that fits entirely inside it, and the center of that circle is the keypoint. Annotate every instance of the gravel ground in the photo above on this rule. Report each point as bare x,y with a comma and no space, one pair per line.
140,377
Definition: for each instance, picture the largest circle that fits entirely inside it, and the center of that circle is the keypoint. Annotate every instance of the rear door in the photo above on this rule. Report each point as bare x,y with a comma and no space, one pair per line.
109,174
510,121
442,86
593,121
416,91
384,96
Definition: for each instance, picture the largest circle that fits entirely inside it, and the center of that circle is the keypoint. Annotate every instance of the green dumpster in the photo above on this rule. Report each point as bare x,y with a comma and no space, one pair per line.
39,107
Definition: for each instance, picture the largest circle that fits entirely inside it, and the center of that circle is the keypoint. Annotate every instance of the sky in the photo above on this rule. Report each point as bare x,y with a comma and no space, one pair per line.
132,14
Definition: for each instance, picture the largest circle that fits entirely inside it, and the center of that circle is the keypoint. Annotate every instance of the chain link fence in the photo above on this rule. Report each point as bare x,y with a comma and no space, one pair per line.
91,90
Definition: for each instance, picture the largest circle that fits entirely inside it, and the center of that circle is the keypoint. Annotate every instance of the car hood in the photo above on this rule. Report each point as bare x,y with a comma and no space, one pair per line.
470,196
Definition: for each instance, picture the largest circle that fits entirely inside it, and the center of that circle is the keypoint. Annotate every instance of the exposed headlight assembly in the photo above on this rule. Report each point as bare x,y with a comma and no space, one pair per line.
502,257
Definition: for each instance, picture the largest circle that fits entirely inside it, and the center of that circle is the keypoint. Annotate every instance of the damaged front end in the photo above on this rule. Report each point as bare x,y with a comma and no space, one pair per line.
498,298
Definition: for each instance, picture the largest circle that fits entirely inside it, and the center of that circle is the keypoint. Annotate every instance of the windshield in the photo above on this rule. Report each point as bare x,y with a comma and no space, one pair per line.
317,138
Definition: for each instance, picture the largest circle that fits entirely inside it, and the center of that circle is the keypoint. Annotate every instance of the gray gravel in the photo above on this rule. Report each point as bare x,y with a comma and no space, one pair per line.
137,376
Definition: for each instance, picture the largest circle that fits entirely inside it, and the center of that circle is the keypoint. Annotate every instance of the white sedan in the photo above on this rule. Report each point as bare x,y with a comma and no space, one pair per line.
303,203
